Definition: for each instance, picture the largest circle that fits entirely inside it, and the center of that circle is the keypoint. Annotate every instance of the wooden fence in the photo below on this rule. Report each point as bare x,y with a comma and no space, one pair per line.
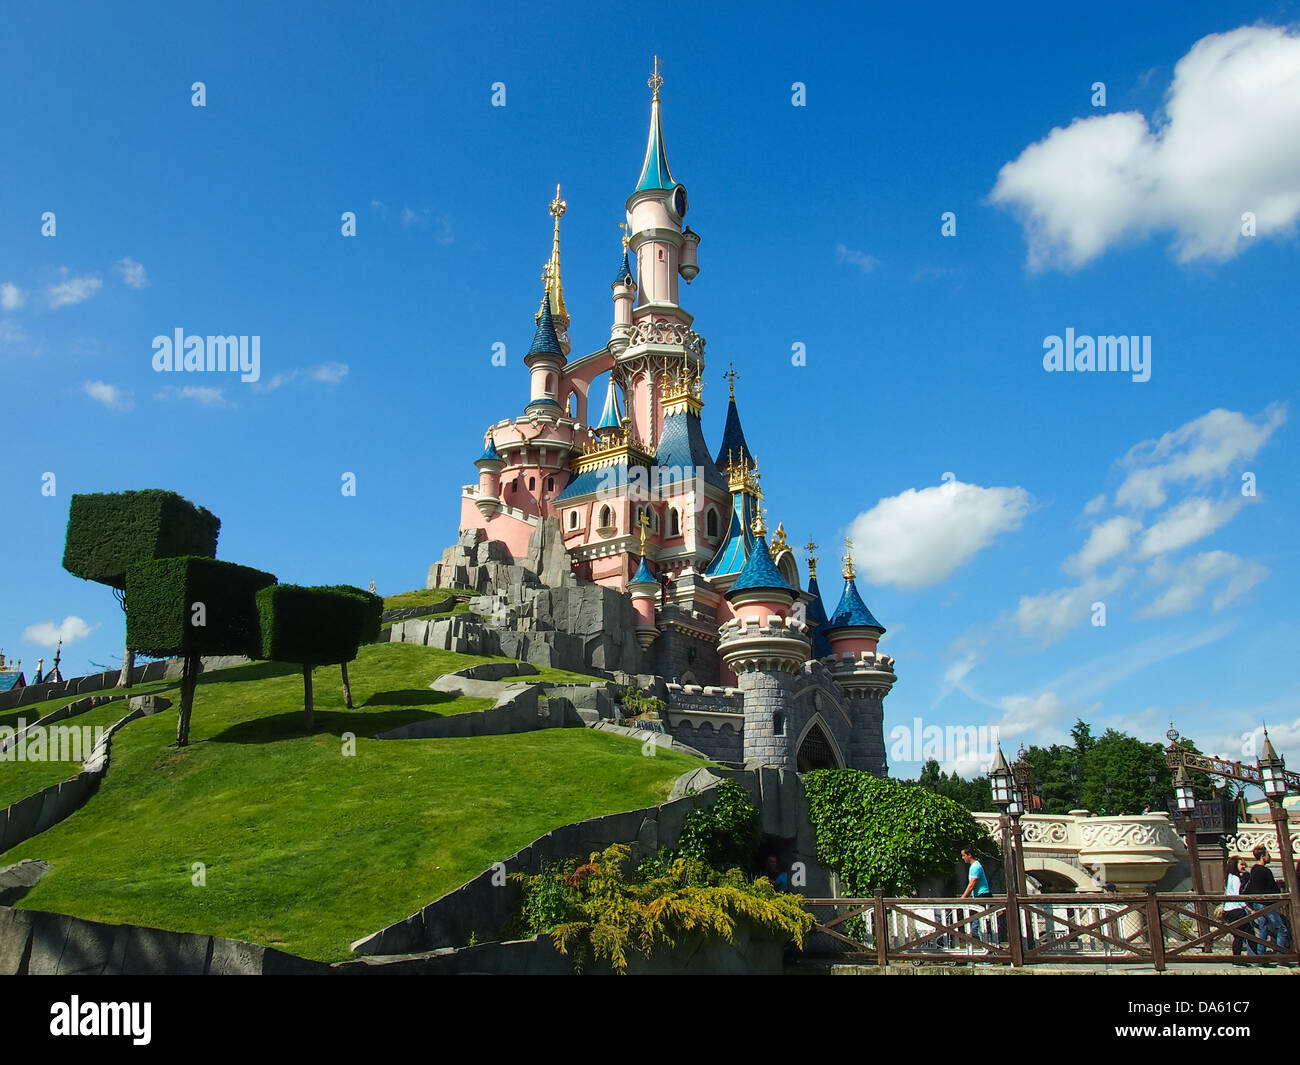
1056,929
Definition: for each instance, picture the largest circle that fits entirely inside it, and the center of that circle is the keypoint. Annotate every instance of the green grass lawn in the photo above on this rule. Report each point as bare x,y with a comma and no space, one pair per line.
420,597
31,711
307,848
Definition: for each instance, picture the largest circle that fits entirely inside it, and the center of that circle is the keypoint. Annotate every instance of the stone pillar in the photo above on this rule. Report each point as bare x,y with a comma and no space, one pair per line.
769,737
867,748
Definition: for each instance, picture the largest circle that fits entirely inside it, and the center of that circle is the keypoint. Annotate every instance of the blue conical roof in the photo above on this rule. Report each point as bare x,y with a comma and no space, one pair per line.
545,342
624,275
490,452
852,612
816,611
643,574
610,417
655,173
759,571
733,440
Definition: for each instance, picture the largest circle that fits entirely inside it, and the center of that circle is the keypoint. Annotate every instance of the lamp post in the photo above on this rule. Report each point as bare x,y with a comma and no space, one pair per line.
1004,799
1151,776
1022,774
1272,770
1185,795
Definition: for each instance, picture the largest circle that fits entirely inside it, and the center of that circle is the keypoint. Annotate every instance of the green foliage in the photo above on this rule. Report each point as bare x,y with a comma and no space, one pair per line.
976,794
110,531
161,596
591,910
372,609
314,626
724,835
886,834
636,703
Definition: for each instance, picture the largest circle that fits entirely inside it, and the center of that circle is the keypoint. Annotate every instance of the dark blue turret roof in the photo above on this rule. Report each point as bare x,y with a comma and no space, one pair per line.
852,612
545,342
490,452
624,275
733,439
817,620
682,446
759,571
643,574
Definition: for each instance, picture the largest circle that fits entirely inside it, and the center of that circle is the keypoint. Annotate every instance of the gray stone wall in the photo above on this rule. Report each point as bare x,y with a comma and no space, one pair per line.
678,656
769,706
868,713
724,744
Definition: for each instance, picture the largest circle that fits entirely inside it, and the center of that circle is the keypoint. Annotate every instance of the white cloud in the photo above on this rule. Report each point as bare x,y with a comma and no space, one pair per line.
330,373
1191,520
71,291
11,332
110,396
1095,505
1205,448
1105,541
1188,581
48,634
864,262
204,394
1227,142
11,296
919,538
132,273
1050,615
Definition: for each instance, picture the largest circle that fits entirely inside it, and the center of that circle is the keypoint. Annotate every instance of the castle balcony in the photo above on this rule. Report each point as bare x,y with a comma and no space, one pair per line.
774,643
862,672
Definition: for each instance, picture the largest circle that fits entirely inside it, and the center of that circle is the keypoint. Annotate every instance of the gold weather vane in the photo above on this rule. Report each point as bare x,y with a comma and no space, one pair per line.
811,548
655,79
848,560
644,522
626,239
730,375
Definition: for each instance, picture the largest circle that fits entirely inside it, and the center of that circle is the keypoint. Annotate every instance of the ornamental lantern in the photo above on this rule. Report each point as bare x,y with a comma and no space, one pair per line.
1272,768
1183,791
1000,780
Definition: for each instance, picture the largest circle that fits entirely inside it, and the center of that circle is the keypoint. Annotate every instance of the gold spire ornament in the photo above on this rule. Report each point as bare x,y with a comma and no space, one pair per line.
811,548
552,282
656,80
644,522
779,542
730,375
627,240
849,573
760,521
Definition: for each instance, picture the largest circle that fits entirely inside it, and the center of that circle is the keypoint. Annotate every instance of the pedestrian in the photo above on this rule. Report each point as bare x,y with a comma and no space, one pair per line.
977,886
1268,926
1234,880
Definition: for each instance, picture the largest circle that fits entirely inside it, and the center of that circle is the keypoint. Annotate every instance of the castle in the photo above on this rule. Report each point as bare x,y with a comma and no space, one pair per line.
635,502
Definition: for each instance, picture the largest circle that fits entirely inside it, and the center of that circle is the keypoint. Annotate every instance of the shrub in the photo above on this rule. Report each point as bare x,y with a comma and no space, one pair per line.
110,531
591,910
724,835
885,834
192,606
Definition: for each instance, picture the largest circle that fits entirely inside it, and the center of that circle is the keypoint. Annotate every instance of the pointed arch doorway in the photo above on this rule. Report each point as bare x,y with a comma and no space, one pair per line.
816,749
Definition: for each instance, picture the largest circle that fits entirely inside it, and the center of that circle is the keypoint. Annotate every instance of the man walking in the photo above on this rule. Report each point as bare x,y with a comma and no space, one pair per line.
1263,882
977,886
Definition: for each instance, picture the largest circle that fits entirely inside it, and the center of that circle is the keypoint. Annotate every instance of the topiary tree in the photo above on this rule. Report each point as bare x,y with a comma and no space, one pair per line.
372,609
312,627
193,606
110,531
887,834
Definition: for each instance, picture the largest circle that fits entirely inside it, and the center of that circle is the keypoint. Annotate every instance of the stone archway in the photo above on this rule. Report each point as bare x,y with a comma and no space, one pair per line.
1058,877
817,748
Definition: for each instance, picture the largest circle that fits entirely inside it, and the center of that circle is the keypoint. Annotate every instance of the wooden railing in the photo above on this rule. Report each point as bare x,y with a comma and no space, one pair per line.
1052,929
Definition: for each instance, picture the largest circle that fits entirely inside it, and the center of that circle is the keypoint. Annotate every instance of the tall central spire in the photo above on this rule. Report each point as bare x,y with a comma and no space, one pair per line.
655,173
554,285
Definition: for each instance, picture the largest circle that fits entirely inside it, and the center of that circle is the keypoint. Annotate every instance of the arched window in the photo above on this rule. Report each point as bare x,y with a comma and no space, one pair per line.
573,519
674,522
550,484
711,522
532,484
606,518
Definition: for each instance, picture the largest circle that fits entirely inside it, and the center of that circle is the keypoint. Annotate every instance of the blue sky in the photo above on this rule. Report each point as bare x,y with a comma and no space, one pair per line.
820,225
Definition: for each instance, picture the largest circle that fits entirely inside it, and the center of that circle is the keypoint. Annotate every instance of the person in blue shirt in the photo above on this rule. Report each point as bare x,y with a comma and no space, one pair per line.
978,885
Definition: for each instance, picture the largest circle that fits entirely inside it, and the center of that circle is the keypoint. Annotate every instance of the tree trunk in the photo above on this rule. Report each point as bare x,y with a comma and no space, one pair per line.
128,666
347,688
307,697
189,680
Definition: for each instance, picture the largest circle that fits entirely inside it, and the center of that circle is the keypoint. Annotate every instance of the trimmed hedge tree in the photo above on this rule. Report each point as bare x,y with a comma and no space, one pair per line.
371,612
193,606
110,531
313,627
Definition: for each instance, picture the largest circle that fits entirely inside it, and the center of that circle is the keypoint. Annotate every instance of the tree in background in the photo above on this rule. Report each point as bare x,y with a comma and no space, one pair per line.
192,606
111,531
310,627
975,794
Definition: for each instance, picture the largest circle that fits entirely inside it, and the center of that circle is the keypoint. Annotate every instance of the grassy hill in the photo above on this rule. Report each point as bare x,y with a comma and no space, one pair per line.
304,846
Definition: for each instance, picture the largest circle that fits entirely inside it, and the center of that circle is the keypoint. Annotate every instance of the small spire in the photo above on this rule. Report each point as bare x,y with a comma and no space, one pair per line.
849,573
654,172
811,548
644,522
656,80
730,375
760,521
551,275
372,585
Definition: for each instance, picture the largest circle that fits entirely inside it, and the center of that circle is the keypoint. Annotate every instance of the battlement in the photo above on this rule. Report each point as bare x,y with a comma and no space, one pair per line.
773,625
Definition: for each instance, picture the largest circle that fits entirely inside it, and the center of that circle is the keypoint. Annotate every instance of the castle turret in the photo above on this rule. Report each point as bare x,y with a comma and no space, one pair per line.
545,361
489,466
865,675
644,589
765,647
624,287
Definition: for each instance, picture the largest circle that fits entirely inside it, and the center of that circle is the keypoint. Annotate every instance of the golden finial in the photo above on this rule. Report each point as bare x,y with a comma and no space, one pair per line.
552,283
626,238
656,80
760,524
811,548
730,375
644,522
849,573
558,206
779,542
372,585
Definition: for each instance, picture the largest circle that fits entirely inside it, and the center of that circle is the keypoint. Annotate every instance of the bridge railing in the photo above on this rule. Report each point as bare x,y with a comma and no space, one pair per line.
1056,929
